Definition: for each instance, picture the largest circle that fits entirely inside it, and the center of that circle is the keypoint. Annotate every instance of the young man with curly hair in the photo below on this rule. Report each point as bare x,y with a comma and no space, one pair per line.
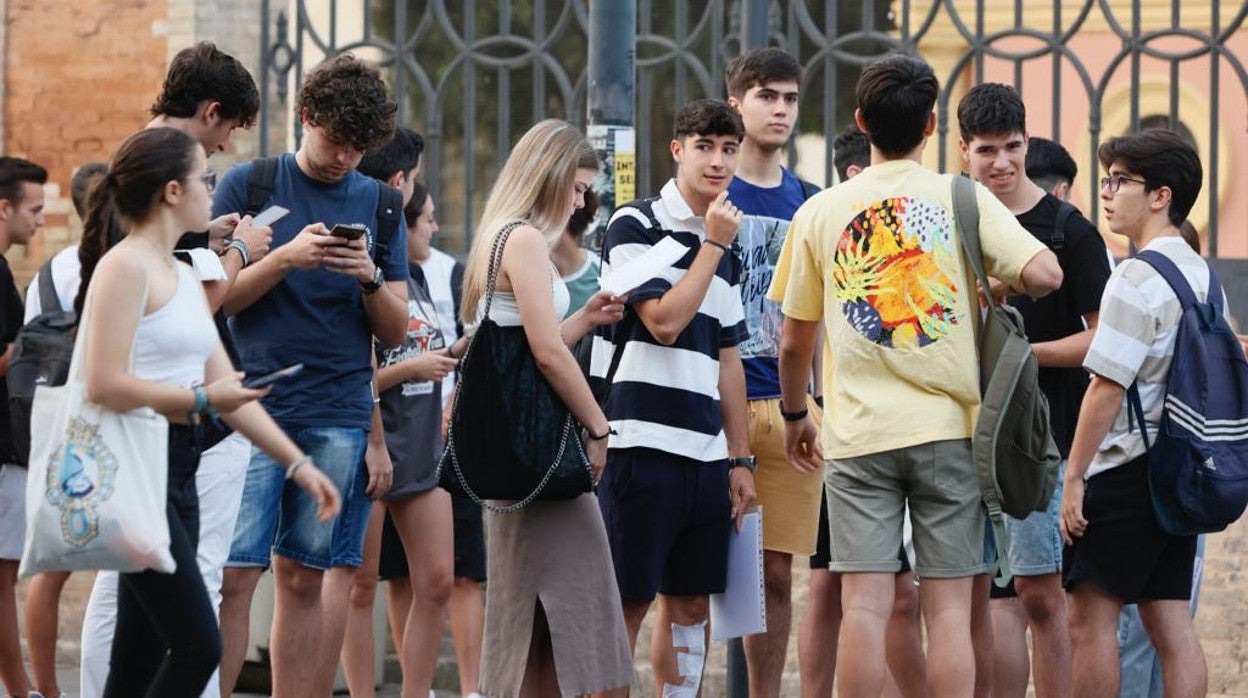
317,299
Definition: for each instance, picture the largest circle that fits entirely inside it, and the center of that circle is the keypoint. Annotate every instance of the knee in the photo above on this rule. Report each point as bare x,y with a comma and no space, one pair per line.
238,583
303,584
906,601
1042,603
363,590
689,610
778,574
435,586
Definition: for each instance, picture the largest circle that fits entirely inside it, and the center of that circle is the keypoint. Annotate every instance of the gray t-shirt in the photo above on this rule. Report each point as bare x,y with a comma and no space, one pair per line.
412,410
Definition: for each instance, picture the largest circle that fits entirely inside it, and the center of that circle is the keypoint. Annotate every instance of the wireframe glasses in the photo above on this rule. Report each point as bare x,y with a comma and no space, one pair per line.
1112,183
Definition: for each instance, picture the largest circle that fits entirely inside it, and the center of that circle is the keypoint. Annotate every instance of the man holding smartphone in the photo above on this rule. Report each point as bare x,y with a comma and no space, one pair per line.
316,299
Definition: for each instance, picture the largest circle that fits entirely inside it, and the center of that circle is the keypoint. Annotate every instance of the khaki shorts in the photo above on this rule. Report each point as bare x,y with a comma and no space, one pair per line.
867,498
789,498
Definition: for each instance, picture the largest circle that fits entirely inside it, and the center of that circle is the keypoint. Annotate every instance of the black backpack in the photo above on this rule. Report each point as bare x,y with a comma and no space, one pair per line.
41,355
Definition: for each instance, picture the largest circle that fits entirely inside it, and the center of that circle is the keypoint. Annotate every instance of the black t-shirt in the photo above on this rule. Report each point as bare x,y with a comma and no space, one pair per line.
11,312
1085,269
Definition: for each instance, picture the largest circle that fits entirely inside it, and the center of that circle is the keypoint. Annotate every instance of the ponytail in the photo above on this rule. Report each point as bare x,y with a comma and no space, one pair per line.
97,234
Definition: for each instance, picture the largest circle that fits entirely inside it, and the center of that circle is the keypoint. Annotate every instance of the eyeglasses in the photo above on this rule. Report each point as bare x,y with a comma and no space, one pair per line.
1112,183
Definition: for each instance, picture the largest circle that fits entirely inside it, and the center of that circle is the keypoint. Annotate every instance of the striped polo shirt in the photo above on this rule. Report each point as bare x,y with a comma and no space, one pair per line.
667,397
1134,341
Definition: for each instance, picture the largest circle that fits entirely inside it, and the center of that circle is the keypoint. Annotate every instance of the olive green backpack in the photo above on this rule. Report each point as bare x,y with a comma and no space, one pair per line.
1012,446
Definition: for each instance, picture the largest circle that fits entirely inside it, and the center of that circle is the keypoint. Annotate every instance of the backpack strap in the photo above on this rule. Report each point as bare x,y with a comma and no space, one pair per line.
48,300
389,213
1170,272
809,189
1135,412
1214,294
260,183
966,215
1064,212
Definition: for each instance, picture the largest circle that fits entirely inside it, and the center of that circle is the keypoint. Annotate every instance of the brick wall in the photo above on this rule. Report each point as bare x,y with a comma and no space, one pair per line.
78,79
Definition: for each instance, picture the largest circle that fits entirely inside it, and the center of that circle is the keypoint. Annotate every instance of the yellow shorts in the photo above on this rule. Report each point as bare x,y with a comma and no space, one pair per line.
790,499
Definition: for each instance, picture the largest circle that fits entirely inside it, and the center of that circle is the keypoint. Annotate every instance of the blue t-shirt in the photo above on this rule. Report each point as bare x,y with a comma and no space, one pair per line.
315,317
768,212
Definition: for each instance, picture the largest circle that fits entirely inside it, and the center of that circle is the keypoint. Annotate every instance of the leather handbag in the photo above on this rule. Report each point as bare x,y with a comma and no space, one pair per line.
511,437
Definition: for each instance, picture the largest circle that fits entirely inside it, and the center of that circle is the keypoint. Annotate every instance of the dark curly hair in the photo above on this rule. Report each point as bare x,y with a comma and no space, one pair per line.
203,73
346,96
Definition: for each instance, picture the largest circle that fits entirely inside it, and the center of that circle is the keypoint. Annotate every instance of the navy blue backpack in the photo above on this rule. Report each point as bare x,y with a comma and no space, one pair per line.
1198,464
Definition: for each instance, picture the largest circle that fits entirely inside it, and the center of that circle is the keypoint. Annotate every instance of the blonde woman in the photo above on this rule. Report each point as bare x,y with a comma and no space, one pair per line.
553,623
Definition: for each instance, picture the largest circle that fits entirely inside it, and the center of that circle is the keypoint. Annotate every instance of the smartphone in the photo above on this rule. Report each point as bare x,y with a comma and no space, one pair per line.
270,379
269,216
349,231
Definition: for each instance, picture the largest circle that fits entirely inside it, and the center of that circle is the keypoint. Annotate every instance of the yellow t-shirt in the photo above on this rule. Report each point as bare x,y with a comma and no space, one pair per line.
877,259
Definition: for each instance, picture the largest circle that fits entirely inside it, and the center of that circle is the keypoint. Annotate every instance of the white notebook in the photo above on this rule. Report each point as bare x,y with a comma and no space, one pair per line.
741,610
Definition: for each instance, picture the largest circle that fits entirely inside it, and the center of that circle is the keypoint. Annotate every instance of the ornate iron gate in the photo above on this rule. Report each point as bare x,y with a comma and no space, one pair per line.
471,76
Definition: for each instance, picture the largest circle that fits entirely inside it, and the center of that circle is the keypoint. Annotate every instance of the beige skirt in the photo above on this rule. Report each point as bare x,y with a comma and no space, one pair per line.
553,554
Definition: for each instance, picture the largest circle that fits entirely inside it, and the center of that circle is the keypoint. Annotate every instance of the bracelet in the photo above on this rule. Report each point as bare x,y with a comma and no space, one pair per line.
242,249
794,416
720,245
305,459
608,432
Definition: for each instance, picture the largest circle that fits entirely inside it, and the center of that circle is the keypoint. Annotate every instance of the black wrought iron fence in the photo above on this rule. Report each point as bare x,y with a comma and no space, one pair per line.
472,76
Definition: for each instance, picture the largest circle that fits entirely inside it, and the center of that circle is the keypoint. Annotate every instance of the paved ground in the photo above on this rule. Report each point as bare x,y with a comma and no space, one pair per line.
1222,624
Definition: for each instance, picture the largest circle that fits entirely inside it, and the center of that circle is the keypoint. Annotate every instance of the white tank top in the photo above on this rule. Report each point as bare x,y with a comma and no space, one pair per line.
172,343
505,311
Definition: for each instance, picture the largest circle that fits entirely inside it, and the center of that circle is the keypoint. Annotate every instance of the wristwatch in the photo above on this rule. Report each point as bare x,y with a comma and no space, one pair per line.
743,462
375,285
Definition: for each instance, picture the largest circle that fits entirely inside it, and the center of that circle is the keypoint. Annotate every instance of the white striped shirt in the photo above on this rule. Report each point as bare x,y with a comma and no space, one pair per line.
1134,342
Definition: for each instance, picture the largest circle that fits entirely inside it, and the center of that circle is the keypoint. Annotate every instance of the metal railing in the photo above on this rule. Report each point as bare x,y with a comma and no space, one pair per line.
471,76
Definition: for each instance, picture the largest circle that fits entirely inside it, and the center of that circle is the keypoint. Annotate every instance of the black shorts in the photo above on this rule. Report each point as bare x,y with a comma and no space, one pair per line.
1124,551
668,520
823,546
469,544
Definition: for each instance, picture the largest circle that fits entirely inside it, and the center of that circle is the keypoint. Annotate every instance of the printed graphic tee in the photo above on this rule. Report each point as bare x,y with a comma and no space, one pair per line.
879,259
760,238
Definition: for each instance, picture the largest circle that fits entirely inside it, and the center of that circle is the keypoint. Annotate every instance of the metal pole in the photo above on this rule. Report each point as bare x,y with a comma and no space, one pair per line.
609,112
612,61
755,32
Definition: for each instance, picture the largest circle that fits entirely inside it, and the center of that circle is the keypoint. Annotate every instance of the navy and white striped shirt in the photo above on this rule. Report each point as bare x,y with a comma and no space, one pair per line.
667,397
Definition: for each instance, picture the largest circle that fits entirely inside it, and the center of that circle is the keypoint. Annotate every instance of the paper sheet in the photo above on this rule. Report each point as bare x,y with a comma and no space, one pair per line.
741,609
640,269
205,262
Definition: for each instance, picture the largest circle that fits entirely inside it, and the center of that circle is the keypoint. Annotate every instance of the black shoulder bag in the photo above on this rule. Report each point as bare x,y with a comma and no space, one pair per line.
511,436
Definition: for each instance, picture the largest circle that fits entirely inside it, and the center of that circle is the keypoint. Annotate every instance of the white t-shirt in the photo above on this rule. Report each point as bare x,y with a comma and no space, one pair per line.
438,270
66,278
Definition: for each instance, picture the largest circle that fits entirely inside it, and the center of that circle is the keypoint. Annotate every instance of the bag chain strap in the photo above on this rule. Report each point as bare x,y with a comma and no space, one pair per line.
491,281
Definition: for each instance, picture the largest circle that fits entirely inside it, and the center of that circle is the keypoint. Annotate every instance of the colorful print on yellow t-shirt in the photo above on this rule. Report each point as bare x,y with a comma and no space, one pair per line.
894,271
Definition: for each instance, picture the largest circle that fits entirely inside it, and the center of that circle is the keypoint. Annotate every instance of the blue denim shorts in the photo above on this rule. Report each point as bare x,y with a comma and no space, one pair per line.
1036,541
277,517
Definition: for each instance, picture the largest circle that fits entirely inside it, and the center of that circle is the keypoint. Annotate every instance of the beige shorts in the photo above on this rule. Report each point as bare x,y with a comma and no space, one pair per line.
790,499
867,498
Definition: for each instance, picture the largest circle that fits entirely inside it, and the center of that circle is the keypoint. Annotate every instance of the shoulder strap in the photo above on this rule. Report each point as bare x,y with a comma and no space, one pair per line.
966,213
1174,277
809,189
260,183
389,212
496,264
48,300
457,291
1214,294
1064,212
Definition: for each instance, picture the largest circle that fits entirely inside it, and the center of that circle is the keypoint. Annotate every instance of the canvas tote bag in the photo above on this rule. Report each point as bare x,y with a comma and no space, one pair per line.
96,491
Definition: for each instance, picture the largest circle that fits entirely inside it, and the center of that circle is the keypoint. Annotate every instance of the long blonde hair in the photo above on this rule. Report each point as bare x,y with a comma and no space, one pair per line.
534,186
